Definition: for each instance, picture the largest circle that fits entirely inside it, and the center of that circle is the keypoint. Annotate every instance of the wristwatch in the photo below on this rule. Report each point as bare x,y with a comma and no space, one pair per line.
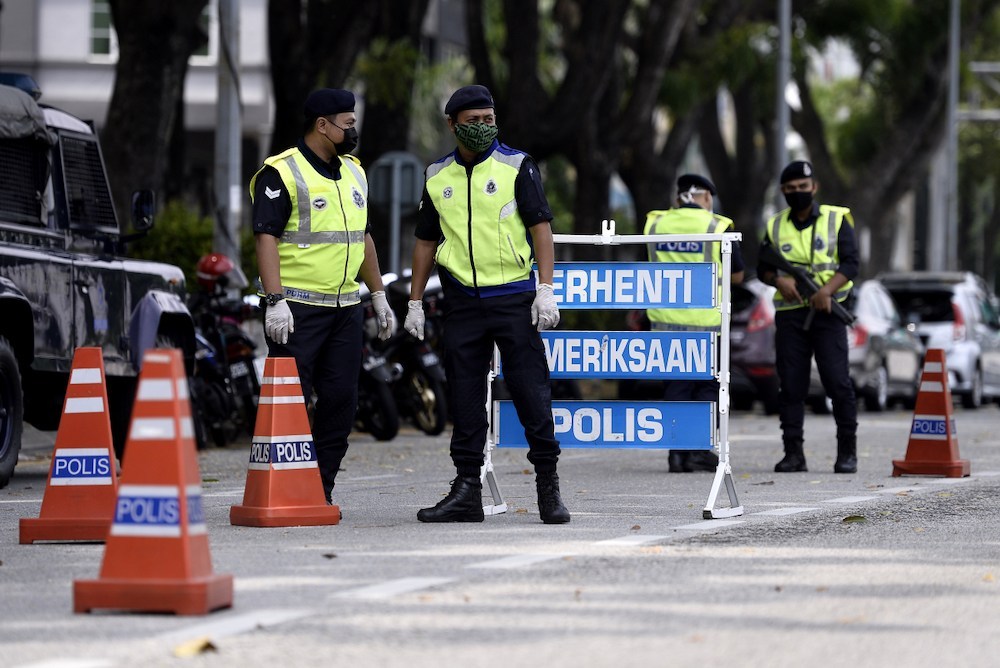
273,298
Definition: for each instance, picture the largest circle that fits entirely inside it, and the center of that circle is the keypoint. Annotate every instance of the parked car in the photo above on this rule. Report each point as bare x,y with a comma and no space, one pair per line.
957,312
751,351
885,355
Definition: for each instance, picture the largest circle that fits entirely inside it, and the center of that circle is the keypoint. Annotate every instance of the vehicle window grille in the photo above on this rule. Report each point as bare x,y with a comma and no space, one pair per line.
90,203
23,173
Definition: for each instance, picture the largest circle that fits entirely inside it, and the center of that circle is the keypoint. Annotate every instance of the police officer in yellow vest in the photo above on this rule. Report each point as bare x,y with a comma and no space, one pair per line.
310,222
692,214
484,219
821,240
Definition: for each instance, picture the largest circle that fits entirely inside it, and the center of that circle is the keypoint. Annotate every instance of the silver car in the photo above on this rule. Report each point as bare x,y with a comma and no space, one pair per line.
956,312
885,355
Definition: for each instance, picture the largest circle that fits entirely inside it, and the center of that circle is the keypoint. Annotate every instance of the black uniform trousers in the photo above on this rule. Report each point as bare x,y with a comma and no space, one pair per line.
471,326
826,338
326,345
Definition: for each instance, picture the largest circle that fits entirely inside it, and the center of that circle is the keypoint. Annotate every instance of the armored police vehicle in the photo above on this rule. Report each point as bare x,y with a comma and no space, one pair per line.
64,281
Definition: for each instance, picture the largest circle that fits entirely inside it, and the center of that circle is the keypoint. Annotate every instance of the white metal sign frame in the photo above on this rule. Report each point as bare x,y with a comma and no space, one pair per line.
724,472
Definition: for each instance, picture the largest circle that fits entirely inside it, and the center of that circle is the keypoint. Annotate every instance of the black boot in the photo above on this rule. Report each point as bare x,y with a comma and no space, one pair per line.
702,460
847,455
464,503
794,460
677,461
550,505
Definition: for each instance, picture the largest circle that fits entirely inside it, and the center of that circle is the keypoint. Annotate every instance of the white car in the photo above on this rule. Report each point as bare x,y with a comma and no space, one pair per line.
956,312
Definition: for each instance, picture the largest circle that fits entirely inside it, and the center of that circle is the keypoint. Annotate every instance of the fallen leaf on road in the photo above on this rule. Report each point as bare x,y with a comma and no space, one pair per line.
194,647
851,519
989,578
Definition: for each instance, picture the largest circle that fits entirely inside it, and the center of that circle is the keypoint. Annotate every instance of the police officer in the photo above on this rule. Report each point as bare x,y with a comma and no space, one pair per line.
821,240
310,221
484,218
692,214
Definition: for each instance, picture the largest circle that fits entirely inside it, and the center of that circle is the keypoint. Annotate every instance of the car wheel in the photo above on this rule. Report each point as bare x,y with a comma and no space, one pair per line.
877,397
11,411
974,397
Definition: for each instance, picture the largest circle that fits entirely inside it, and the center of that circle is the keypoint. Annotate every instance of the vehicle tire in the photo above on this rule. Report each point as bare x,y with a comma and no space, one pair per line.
974,397
427,397
121,397
11,411
767,391
877,398
742,402
377,411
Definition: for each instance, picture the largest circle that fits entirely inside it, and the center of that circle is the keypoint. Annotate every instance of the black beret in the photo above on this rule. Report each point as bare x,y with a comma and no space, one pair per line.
469,97
327,102
800,169
686,181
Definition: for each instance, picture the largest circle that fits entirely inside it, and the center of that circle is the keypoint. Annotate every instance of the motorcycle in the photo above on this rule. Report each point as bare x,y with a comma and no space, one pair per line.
377,411
225,384
420,391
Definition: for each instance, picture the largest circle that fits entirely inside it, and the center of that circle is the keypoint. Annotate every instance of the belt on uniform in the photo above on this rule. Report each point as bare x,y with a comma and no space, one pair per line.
343,299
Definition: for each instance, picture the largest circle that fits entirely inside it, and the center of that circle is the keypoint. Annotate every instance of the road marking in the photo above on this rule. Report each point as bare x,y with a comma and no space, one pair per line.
897,490
708,524
781,512
634,540
947,481
850,499
985,474
382,476
392,588
230,626
517,561
70,663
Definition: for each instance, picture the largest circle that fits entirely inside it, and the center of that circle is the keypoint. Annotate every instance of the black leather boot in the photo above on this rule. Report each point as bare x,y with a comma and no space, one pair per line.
847,455
702,460
794,460
464,503
550,505
677,460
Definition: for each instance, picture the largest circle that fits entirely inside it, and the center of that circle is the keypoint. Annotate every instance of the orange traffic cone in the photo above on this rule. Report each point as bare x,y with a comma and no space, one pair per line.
79,499
933,446
283,486
157,557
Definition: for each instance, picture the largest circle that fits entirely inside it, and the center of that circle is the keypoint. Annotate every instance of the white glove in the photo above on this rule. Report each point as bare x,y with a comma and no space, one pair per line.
383,314
414,323
278,322
544,311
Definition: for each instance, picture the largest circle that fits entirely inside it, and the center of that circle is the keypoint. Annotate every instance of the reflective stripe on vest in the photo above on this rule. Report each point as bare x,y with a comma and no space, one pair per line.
485,240
821,264
687,220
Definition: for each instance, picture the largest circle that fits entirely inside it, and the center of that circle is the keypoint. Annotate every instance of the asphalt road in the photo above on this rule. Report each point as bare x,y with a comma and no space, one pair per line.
821,569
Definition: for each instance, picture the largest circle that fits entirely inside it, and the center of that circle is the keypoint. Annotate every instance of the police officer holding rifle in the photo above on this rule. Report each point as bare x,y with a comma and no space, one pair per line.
810,254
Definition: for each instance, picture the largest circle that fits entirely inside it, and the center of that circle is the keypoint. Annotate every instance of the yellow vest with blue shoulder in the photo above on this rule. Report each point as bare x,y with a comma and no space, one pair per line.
323,245
485,241
815,248
686,220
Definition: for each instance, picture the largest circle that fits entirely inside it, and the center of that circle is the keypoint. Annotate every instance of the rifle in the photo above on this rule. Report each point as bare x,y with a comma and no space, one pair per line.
807,286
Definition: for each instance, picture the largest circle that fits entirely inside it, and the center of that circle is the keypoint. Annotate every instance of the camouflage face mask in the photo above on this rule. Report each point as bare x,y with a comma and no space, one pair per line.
477,137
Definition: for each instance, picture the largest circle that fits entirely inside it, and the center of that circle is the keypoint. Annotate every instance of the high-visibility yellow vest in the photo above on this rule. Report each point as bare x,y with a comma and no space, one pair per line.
485,240
686,220
323,245
815,248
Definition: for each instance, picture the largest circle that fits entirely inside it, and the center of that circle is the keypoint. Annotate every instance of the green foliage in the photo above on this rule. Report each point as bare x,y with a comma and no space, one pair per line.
180,237
853,120
381,66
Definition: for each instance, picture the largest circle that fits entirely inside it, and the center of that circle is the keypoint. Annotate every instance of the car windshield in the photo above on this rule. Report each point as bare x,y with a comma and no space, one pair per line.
924,306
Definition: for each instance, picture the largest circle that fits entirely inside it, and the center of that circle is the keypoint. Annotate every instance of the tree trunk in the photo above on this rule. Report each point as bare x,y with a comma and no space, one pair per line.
148,83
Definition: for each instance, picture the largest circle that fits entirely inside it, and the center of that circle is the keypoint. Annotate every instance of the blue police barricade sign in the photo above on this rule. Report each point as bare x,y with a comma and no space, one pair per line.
633,285
651,425
657,355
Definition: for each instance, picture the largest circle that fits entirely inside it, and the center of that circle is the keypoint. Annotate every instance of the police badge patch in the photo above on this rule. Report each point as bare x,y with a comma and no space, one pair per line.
491,187
319,203
359,200
818,244
447,193
785,248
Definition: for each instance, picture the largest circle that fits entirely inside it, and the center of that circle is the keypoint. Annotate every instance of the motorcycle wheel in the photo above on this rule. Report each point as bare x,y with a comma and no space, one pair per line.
427,397
378,412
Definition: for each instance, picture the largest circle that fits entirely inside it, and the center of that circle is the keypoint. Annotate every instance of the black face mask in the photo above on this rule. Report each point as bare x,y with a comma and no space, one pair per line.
798,200
350,141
